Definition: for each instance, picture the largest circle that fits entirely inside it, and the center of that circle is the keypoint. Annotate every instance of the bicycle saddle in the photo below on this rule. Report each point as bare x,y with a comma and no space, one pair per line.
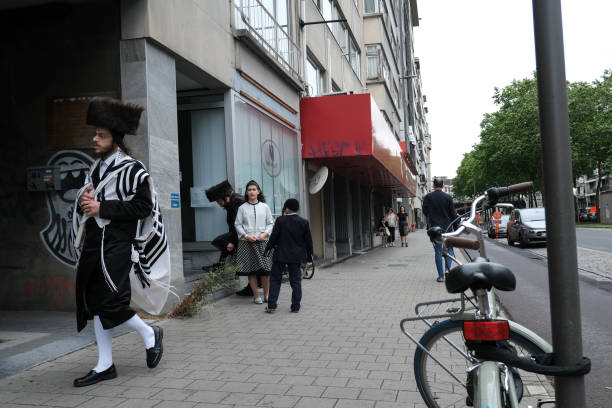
480,274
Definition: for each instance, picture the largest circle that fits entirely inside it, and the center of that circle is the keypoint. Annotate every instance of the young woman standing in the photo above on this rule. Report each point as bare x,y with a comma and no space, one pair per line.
402,215
254,224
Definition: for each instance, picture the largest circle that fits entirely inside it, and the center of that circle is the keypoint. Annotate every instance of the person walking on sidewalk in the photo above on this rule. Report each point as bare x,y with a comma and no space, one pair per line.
254,224
402,216
291,242
116,196
391,220
439,209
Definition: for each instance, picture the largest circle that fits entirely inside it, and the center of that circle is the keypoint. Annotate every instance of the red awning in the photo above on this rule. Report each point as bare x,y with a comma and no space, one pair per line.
349,134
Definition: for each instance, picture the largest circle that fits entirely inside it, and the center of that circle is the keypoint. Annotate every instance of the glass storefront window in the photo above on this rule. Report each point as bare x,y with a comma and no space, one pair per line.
267,152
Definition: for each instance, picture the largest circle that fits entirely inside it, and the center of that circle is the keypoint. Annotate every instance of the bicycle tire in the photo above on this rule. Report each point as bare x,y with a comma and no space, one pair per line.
308,270
440,390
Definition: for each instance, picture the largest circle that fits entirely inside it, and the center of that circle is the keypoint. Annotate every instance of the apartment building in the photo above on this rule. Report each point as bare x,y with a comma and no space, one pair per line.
270,90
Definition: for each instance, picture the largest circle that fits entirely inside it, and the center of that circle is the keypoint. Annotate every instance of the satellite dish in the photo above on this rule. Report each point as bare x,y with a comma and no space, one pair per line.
318,180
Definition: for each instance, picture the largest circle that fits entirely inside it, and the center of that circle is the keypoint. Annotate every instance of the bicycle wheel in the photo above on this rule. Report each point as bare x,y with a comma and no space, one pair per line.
308,270
445,341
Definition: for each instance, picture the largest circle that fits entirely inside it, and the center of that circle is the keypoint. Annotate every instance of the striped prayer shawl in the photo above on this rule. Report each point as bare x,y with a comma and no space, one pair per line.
120,182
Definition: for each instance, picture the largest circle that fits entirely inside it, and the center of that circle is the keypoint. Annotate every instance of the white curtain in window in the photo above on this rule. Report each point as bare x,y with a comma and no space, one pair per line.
266,151
372,67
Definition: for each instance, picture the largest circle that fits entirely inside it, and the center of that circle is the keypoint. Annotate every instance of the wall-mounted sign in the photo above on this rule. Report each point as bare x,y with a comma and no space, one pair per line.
318,180
271,158
175,200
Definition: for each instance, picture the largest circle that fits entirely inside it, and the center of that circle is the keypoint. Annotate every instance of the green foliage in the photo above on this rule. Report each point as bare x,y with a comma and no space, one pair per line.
216,279
509,150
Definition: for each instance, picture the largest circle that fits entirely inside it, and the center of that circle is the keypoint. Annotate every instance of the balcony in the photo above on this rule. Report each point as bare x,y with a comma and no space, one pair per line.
254,24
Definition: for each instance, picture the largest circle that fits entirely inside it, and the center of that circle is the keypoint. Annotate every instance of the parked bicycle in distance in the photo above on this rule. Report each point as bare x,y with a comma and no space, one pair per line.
475,356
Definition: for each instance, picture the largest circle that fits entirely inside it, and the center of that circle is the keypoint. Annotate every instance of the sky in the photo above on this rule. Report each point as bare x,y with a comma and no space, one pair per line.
467,48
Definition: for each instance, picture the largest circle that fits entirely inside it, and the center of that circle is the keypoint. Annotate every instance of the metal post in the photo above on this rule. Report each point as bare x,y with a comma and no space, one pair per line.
556,157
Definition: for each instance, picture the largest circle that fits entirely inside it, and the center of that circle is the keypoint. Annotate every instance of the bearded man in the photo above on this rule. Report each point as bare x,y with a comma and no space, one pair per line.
117,197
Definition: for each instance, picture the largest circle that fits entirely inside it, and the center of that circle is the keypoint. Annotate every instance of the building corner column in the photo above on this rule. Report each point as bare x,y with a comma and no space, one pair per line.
148,78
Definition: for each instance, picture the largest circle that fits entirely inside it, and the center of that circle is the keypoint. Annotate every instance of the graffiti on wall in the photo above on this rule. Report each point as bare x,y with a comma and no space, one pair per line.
335,149
55,236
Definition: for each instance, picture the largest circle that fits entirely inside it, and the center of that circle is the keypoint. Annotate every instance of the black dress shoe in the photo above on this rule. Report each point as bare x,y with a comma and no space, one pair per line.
246,291
154,354
94,377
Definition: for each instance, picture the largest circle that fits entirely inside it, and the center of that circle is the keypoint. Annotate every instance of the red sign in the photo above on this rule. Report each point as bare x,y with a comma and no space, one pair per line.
497,215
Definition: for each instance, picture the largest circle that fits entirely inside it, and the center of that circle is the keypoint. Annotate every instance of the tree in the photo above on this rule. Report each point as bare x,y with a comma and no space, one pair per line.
509,147
590,108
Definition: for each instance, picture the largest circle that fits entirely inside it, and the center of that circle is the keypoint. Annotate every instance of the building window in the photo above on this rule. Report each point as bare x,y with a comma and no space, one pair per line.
314,78
370,6
372,62
355,57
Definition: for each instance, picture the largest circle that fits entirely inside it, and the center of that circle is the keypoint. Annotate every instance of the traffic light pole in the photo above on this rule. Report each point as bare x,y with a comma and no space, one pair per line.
560,224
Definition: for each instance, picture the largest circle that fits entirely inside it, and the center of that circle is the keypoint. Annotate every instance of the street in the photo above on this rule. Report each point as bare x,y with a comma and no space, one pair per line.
599,239
529,304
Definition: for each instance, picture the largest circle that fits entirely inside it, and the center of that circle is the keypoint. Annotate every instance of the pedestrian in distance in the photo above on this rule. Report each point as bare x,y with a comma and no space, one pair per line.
440,211
291,242
254,224
383,231
392,222
116,201
402,216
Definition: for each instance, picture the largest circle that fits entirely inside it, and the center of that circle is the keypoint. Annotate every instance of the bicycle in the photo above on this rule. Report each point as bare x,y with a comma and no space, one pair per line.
307,268
499,360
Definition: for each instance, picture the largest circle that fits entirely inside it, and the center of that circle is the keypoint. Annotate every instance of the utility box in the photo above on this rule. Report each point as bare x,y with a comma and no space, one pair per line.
44,178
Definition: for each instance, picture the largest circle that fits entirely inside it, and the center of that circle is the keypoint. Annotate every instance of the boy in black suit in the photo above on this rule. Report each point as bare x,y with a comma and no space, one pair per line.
292,245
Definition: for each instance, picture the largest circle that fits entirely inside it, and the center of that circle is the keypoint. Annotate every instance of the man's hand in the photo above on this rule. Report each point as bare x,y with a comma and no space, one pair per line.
91,207
87,196
230,247
262,236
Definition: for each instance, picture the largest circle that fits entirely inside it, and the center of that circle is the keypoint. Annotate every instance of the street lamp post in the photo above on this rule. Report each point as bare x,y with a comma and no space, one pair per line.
557,165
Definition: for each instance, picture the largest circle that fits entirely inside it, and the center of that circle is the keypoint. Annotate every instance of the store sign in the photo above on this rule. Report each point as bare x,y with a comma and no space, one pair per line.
271,158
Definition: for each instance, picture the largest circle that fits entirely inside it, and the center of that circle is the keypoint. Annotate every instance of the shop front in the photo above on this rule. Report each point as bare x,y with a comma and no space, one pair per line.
349,135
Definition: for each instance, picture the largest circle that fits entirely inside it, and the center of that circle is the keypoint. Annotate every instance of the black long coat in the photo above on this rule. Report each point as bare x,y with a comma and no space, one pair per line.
93,294
291,240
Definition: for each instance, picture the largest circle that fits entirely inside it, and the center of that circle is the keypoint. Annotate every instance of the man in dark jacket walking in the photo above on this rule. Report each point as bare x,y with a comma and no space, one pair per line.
439,209
292,244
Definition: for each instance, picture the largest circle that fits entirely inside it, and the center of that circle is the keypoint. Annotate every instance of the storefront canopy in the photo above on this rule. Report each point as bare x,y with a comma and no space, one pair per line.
349,134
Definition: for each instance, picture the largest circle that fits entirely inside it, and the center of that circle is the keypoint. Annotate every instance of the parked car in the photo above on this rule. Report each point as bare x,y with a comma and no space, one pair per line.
587,214
503,227
527,226
583,214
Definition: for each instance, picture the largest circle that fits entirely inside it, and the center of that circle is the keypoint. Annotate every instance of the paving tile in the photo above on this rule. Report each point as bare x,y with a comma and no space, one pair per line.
278,401
350,403
138,403
169,394
275,389
309,402
103,402
207,396
68,400
306,390
242,399
341,392
378,395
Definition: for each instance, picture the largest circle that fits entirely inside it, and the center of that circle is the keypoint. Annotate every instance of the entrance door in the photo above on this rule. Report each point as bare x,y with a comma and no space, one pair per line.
209,168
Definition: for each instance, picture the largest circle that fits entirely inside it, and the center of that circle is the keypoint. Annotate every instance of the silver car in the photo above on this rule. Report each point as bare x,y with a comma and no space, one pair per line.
527,226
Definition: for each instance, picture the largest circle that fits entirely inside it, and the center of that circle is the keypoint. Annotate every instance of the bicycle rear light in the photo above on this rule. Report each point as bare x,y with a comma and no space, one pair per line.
486,330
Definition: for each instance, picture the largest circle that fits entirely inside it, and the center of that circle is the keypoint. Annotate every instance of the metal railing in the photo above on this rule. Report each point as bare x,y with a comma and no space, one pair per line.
252,15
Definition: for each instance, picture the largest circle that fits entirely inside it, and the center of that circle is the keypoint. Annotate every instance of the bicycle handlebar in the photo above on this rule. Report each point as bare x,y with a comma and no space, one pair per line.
462,243
495,193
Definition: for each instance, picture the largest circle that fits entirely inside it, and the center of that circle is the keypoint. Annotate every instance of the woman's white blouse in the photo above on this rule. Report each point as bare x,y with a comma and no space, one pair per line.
253,219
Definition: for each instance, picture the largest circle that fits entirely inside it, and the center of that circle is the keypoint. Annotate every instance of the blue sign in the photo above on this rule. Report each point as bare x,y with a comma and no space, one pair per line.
175,200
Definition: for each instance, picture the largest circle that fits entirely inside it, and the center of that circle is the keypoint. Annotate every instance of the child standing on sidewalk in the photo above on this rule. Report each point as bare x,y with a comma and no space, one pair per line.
292,245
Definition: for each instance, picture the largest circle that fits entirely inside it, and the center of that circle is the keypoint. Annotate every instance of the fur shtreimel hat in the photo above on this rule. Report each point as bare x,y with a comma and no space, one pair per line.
220,191
114,115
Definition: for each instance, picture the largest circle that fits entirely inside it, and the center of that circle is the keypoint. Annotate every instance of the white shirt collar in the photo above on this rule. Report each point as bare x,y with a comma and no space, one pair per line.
109,161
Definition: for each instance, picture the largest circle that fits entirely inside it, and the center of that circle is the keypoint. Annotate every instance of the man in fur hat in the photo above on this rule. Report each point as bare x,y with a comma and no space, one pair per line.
115,197
224,195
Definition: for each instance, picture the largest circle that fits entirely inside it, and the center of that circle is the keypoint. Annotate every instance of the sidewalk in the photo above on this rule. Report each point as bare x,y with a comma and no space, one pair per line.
344,348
